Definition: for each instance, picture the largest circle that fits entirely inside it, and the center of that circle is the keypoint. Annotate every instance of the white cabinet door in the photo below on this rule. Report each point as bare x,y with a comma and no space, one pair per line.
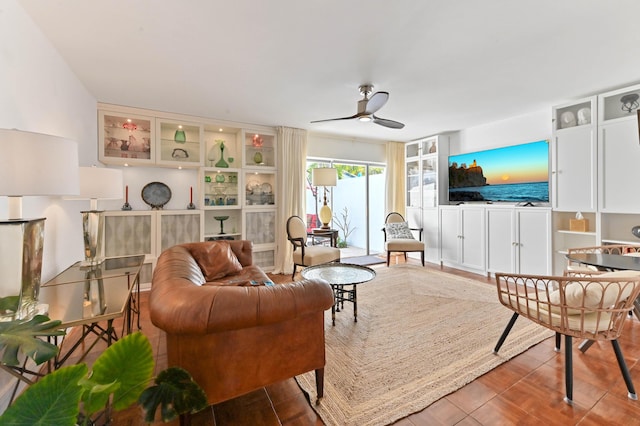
473,241
533,228
574,171
430,235
462,241
618,160
449,235
500,240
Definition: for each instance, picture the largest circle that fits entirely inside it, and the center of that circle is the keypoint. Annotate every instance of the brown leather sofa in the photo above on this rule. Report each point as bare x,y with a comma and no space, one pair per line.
232,336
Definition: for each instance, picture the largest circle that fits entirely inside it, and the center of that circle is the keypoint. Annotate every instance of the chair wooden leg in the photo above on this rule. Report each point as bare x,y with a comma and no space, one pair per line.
568,370
405,256
294,271
625,371
319,384
506,331
558,342
422,257
388,257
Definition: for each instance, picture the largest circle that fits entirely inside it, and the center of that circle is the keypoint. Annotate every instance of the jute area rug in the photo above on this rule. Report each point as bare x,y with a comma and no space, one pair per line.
421,334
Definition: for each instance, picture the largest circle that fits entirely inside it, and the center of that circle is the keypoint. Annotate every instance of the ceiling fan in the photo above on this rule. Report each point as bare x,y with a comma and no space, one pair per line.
368,106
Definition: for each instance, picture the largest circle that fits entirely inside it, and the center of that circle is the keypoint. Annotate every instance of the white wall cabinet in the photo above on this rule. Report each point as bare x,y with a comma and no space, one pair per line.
607,202
462,237
519,240
426,185
236,189
573,156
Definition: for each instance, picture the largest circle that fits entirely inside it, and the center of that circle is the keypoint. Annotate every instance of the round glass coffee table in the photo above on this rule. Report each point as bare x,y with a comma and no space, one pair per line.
340,275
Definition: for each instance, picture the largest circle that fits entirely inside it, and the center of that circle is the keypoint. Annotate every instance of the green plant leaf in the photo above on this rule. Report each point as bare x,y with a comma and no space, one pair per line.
129,362
175,392
23,336
53,400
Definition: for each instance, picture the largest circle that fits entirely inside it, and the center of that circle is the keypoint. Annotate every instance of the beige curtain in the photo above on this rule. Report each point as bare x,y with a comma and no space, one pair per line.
395,180
292,179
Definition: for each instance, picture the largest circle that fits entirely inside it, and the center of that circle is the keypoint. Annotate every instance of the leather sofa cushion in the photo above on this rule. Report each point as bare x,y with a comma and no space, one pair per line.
216,260
242,278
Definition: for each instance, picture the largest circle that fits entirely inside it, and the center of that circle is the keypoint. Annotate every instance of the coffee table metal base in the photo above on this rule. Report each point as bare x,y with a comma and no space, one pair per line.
340,276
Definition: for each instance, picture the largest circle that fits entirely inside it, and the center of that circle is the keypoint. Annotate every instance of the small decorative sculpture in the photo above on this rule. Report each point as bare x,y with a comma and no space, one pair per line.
221,162
221,219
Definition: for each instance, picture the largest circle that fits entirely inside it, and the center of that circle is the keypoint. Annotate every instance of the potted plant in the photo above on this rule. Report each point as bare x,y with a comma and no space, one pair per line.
73,395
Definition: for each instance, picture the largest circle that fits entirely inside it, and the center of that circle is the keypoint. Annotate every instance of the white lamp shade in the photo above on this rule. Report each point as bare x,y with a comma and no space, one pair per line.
37,164
100,183
324,176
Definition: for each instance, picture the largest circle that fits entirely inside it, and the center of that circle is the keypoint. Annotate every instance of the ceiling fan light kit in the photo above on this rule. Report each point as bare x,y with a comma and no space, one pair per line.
368,106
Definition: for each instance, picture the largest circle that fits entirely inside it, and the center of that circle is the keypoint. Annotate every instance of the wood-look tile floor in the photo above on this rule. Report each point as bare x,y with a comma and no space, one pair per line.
527,390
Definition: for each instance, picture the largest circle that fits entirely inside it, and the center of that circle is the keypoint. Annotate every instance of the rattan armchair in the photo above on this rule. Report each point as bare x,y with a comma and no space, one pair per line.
579,304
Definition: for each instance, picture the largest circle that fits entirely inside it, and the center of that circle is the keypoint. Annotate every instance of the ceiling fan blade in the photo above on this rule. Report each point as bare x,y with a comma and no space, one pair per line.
335,119
375,102
388,123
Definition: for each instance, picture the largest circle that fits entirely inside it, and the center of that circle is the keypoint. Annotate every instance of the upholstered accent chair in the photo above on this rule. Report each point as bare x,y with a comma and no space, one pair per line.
588,305
304,255
398,237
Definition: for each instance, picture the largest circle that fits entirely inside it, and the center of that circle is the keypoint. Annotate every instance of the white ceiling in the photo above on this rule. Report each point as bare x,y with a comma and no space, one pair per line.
448,65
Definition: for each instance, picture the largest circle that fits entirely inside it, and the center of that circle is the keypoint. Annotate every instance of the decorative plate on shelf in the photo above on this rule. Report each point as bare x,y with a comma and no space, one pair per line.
156,195
266,188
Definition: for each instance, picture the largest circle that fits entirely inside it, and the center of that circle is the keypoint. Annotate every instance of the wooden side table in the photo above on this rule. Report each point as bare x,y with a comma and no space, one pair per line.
331,234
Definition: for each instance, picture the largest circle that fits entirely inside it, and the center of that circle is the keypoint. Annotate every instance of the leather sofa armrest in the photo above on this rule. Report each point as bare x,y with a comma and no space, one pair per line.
178,306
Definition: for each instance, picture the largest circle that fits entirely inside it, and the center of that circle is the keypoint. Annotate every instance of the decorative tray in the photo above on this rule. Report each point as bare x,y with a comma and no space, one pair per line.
156,195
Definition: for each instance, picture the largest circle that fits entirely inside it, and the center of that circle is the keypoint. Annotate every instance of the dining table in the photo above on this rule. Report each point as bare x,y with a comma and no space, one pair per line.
608,262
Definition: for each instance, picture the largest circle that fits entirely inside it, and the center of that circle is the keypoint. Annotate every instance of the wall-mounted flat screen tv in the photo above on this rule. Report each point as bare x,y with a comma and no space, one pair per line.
516,173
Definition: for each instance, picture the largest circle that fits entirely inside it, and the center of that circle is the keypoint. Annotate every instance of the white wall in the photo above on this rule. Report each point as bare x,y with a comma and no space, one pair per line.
41,94
343,148
530,127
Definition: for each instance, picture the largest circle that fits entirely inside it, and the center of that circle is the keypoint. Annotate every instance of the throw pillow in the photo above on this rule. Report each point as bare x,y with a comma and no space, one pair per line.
591,293
397,230
216,260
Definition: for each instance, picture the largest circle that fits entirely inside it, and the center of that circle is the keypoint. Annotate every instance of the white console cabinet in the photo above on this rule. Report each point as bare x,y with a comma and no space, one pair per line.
519,240
462,237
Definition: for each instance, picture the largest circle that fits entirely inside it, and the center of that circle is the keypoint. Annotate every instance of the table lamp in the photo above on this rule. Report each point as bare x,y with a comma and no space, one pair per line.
31,164
97,183
324,176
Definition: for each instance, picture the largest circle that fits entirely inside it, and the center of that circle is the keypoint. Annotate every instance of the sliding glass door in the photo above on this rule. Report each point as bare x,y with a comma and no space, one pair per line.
357,203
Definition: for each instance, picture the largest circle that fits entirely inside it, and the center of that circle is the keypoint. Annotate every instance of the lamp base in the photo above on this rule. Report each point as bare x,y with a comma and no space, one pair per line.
21,245
92,231
325,216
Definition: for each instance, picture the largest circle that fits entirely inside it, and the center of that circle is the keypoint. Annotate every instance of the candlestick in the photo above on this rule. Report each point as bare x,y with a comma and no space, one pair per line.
191,206
126,205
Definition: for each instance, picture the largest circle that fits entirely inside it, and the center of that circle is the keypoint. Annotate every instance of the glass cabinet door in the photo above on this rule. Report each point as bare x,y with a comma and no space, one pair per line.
179,144
413,184
125,139
259,150
430,182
